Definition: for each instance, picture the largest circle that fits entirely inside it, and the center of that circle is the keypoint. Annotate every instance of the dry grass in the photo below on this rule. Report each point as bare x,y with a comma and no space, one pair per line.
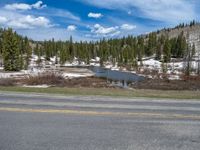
7,82
109,92
49,78
57,80
165,84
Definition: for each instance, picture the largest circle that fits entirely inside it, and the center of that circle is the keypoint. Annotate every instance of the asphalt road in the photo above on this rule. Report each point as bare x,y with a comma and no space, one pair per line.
45,122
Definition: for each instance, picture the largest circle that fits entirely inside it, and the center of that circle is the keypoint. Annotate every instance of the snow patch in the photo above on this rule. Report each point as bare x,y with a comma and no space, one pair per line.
36,86
77,75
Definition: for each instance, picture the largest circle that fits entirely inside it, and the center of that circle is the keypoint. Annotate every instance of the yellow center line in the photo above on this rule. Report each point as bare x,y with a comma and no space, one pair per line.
96,113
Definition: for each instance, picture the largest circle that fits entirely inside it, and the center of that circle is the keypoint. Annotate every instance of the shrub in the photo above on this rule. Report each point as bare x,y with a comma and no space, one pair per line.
7,82
49,78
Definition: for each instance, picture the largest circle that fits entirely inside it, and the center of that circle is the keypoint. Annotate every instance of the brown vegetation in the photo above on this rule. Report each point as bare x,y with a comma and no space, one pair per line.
55,79
7,82
48,78
165,84
87,82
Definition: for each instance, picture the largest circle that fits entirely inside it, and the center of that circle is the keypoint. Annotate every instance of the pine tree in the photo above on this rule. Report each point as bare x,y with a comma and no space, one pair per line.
71,48
152,43
193,50
173,43
181,45
140,49
188,60
167,51
37,50
1,47
158,51
11,51
28,52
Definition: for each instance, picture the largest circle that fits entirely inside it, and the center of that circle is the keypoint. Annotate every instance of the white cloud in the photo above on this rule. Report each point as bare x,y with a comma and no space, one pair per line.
35,21
60,13
49,11
127,27
49,33
16,6
3,20
100,31
23,6
19,20
39,5
71,28
25,22
129,12
163,10
95,15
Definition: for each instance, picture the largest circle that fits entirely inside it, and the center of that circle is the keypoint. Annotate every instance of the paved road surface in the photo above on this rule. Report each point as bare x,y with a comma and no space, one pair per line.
42,122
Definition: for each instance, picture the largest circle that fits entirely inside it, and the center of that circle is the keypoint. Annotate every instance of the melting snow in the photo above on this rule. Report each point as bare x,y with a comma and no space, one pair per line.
36,86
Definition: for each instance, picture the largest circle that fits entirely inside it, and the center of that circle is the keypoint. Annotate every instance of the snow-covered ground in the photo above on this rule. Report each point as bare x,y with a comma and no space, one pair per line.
11,74
151,64
77,75
21,74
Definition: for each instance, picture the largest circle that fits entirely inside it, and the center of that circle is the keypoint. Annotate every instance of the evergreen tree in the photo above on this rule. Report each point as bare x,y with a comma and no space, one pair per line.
71,48
181,45
28,52
193,50
1,47
140,49
152,44
173,43
167,51
158,51
11,51
188,60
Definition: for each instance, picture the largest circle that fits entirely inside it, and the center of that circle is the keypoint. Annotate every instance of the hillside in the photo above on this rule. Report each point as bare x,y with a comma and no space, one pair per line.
192,34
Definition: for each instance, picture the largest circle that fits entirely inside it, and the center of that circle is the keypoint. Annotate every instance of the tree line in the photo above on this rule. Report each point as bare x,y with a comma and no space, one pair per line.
126,51
15,50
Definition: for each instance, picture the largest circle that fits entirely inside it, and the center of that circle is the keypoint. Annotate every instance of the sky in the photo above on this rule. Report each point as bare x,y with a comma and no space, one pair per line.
94,19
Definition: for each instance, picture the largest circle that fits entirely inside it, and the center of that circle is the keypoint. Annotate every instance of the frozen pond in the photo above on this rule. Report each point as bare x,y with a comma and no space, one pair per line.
116,75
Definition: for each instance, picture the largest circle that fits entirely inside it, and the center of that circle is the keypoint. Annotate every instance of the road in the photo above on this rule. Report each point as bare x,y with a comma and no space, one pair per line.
45,122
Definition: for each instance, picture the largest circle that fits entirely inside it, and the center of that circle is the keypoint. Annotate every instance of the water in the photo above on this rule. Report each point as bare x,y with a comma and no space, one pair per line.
116,75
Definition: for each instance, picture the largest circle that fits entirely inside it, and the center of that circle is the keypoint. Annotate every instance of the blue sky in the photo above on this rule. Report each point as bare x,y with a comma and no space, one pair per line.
94,19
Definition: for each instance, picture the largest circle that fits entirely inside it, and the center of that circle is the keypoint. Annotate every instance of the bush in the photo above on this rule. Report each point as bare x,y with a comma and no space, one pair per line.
49,78
7,82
